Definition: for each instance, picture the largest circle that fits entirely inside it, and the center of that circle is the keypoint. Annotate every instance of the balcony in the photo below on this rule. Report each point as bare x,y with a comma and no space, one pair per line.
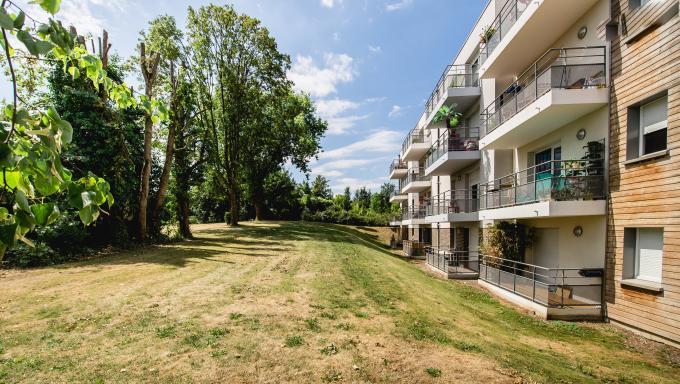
398,169
453,206
561,86
397,196
395,220
552,189
458,84
554,293
454,150
414,146
523,29
454,264
414,248
415,181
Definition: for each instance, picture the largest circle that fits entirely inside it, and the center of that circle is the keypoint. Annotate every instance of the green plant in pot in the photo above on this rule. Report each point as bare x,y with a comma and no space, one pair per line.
449,115
486,34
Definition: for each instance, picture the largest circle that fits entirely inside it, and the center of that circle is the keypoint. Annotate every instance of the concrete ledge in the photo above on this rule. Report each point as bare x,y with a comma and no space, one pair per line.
537,309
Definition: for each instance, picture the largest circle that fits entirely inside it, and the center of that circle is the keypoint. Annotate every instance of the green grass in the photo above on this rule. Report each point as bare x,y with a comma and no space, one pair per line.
309,300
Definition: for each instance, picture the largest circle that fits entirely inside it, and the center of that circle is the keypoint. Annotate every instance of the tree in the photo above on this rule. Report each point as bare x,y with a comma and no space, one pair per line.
235,61
286,129
362,200
321,188
347,200
32,139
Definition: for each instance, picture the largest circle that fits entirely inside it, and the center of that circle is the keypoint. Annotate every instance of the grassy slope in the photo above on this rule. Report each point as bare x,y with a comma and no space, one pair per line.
287,302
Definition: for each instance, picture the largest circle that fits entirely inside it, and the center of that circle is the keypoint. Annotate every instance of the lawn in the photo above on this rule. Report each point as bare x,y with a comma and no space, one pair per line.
291,302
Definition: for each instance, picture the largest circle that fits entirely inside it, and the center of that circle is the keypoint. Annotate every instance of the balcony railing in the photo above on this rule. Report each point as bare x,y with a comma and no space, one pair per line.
567,68
414,137
454,76
414,248
557,180
454,261
505,19
550,287
397,164
416,174
412,213
452,140
452,202
395,217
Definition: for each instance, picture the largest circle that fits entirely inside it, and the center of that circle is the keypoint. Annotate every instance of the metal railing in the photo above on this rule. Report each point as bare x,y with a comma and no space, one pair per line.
412,213
454,76
568,68
505,19
414,248
395,218
454,139
557,180
414,137
397,164
550,287
451,202
453,261
416,174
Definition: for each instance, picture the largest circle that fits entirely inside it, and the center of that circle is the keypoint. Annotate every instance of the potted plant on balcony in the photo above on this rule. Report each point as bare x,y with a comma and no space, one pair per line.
449,115
486,34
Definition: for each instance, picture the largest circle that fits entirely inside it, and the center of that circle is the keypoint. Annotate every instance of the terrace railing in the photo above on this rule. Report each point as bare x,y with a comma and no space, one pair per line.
567,68
451,260
563,180
414,248
452,202
550,287
412,213
454,76
452,140
505,19
414,137
397,164
416,174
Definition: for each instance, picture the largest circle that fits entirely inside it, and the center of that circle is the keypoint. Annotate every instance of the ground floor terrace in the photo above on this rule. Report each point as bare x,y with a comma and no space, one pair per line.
292,302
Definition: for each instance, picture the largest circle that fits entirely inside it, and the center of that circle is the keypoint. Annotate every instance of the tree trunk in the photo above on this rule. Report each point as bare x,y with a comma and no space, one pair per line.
169,153
149,68
183,214
233,205
258,210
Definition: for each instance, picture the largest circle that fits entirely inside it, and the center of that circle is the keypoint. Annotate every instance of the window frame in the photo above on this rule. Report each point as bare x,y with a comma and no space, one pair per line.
651,128
636,270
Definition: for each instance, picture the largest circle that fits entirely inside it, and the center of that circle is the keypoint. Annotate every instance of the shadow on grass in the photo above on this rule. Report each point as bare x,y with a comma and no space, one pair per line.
251,240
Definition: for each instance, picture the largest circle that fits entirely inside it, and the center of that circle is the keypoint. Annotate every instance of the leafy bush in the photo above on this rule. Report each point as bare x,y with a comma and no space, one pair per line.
337,215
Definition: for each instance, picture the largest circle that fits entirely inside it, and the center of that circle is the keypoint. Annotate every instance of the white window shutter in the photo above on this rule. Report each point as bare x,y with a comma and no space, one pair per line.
649,254
654,115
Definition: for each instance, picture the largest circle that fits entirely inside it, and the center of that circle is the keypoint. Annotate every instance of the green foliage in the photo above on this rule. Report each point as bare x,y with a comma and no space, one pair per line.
434,372
449,115
321,188
507,240
32,140
294,341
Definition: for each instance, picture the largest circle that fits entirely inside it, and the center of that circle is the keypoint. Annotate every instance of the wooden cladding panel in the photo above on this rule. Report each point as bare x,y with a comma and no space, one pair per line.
645,194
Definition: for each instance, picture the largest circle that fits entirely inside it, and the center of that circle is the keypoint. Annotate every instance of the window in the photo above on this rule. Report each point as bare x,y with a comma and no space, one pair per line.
637,3
654,126
647,128
643,254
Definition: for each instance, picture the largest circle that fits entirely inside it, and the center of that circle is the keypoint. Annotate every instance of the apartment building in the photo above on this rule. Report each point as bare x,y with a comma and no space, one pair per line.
532,187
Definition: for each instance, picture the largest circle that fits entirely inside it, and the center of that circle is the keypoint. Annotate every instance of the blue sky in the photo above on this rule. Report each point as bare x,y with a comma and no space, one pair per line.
369,65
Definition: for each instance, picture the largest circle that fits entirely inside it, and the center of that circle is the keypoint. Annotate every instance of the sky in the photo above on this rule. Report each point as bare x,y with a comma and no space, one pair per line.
369,65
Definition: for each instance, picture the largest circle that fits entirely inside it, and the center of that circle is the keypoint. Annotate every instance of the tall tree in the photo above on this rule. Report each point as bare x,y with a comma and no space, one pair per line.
236,60
149,68
321,188
286,129
164,39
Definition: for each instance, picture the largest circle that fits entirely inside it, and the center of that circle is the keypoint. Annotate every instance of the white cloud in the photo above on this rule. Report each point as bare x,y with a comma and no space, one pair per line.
374,49
383,141
398,5
395,111
337,165
331,110
321,82
82,14
354,183
336,36
330,3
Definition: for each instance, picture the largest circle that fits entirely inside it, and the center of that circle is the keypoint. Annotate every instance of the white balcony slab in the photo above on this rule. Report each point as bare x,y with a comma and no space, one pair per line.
550,112
415,151
452,162
398,173
414,222
463,97
416,186
400,197
395,223
460,217
546,209
540,25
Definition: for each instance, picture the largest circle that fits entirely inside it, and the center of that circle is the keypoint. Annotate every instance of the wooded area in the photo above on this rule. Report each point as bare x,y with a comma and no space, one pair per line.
210,136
